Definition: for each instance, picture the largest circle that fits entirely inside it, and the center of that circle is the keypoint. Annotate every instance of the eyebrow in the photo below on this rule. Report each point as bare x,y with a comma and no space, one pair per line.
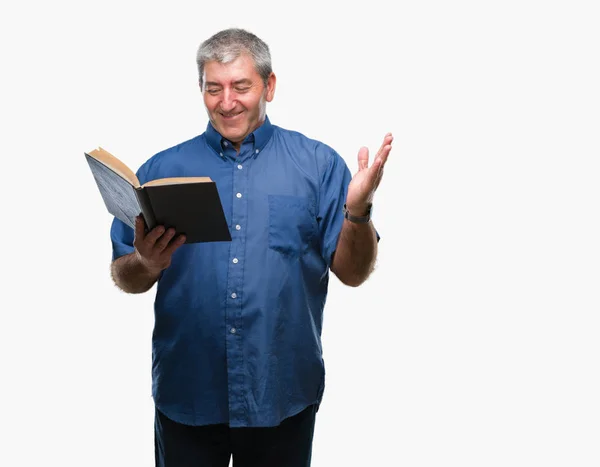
239,81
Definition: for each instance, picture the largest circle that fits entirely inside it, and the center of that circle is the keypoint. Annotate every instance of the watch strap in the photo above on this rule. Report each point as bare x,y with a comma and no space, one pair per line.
357,219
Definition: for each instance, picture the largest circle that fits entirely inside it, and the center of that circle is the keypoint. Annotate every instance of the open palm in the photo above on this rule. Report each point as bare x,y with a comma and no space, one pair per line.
363,185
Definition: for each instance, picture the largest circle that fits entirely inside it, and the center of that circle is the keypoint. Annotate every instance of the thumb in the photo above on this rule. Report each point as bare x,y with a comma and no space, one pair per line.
363,158
139,227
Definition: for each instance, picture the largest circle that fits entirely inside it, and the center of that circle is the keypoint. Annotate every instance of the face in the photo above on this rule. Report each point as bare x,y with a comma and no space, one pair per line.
235,97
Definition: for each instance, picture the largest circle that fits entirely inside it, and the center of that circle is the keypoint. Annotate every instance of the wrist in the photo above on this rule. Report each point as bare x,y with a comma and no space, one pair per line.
151,270
359,214
360,210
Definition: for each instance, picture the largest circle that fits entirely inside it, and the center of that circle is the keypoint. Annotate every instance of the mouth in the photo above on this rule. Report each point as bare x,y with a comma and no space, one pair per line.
231,116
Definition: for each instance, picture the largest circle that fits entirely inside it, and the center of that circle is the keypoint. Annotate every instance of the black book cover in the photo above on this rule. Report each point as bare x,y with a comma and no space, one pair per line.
193,209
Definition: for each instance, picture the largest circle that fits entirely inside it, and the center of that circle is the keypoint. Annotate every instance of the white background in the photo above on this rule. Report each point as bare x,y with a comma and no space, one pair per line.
475,342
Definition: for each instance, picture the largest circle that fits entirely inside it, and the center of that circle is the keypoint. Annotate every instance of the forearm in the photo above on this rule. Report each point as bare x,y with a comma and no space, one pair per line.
355,254
131,275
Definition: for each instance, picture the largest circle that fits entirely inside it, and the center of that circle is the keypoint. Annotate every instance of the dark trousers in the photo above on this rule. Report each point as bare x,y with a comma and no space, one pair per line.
286,445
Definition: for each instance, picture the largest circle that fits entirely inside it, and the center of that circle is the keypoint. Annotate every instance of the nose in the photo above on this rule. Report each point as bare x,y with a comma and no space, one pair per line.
228,102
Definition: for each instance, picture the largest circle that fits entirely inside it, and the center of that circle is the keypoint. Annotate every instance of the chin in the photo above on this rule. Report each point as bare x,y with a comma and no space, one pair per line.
234,136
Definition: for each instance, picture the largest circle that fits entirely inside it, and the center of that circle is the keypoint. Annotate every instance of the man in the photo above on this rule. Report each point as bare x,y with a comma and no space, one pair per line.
237,364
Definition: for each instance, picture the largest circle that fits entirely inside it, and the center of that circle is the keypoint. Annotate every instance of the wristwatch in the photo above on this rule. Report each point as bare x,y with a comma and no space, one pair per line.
358,219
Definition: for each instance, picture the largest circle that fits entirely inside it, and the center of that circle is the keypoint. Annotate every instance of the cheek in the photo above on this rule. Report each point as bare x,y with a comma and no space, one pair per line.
251,103
210,103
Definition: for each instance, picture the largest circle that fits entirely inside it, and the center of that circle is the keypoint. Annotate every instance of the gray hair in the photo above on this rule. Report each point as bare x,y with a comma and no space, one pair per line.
227,45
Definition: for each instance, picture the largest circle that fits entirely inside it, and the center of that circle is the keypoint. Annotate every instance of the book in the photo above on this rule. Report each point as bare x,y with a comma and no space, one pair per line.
191,205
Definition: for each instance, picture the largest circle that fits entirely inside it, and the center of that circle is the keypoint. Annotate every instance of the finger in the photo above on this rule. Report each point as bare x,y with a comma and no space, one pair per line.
387,140
154,235
176,243
363,158
377,168
164,240
381,164
379,176
371,176
382,157
385,154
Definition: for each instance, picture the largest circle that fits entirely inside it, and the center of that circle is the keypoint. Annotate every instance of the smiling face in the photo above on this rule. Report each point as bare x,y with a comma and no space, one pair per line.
236,97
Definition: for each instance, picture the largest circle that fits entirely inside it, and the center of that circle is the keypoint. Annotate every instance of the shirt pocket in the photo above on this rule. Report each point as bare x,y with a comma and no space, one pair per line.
292,224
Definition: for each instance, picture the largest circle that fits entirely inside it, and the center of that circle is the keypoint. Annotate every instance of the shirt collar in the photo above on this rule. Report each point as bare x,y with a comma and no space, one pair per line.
261,136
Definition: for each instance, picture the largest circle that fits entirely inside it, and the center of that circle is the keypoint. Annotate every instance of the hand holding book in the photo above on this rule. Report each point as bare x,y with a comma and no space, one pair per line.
156,247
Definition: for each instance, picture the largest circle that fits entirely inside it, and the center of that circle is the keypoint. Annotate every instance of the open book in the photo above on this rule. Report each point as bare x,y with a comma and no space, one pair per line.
191,205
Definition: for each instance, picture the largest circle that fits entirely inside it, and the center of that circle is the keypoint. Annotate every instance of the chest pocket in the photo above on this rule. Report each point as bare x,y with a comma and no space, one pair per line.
292,224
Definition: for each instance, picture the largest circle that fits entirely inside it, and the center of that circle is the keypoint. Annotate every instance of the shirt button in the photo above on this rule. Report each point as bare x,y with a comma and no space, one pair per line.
233,295
256,151
239,195
232,330
221,154
235,260
238,227
240,167
225,143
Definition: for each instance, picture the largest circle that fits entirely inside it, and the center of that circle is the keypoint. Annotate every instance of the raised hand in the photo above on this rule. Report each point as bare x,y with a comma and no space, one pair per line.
155,248
363,185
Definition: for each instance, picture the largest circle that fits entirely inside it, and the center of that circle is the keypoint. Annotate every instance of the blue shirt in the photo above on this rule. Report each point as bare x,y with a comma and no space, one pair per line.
237,332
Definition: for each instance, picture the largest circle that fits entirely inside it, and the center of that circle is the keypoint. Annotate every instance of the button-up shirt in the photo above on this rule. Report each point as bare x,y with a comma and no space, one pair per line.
237,333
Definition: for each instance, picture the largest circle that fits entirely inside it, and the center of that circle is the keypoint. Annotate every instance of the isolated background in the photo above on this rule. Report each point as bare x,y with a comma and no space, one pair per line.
475,343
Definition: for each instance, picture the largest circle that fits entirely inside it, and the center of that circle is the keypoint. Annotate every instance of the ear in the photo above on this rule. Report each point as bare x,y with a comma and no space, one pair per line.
271,82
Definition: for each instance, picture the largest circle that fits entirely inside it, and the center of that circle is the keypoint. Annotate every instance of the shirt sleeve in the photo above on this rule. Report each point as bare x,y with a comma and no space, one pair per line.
121,236
332,196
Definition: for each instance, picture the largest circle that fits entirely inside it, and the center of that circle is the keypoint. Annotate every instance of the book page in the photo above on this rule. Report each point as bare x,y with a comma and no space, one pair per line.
115,165
120,197
177,180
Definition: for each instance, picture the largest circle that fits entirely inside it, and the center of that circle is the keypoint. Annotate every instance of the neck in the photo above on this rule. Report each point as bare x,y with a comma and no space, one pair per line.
238,144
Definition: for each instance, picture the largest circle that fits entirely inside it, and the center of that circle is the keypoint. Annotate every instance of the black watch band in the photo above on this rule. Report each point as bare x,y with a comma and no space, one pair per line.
357,219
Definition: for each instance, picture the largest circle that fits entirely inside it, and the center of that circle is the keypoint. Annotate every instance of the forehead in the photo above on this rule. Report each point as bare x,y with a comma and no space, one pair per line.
238,69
